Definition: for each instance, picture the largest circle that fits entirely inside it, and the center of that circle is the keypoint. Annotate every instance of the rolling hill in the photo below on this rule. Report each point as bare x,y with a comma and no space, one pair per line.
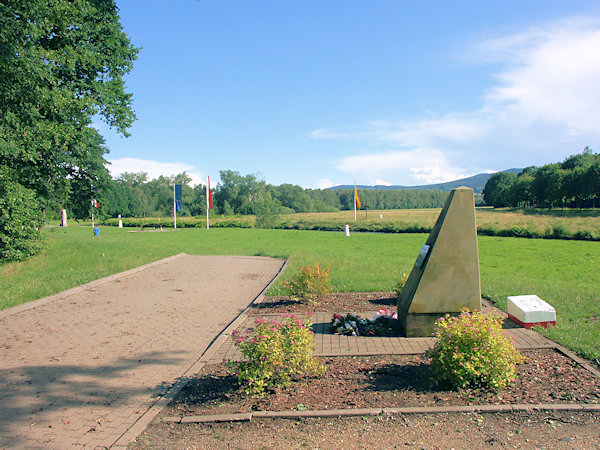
476,182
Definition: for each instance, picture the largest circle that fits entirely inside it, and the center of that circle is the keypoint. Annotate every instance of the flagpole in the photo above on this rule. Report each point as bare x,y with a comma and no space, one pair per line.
207,202
174,209
355,201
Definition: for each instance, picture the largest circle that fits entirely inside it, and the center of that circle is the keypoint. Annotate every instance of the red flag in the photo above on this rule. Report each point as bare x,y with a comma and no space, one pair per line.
210,201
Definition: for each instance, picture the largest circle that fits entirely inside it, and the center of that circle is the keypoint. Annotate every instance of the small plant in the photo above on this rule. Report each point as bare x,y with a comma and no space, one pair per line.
276,353
400,284
310,284
472,351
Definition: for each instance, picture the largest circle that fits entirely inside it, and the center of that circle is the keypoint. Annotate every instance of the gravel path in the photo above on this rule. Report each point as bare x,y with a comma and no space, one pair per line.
81,367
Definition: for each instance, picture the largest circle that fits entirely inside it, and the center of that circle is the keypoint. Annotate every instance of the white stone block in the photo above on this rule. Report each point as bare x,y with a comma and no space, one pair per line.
530,310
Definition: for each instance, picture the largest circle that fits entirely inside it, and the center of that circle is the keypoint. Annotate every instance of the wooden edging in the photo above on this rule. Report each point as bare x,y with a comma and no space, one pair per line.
293,414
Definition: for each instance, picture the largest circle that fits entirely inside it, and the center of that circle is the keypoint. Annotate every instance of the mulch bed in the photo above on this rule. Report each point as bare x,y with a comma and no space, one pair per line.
336,302
388,381
547,376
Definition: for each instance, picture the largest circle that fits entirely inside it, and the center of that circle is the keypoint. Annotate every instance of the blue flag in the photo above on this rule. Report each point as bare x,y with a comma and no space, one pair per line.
178,202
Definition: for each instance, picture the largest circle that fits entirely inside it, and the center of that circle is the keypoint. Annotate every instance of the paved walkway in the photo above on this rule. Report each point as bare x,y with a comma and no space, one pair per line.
328,344
81,367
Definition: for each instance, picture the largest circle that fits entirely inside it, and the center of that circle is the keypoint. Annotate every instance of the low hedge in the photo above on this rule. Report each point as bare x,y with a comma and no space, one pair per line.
556,232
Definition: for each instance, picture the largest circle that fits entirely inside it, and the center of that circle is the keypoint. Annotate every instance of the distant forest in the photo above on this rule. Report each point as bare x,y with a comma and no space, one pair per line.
133,195
574,183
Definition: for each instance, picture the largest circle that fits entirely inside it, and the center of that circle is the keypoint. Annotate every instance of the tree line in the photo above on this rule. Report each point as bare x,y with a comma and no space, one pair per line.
573,183
134,195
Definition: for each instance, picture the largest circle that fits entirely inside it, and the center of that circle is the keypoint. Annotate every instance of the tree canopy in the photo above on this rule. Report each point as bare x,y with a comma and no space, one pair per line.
573,183
62,65
132,194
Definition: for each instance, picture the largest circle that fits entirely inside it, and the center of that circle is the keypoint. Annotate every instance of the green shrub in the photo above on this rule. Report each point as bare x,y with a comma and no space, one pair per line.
400,284
473,351
310,284
20,219
275,354
558,232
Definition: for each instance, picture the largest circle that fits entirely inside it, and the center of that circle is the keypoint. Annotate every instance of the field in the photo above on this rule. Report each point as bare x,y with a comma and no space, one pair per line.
554,224
564,273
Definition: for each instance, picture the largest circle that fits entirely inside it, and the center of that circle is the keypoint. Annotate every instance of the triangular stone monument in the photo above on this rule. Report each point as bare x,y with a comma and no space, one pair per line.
445,277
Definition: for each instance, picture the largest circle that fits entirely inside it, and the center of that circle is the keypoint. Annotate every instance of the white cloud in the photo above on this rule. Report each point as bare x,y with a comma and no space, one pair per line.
552,76
325,183
417,166
415,133
544,105
435,174
379,182
154,169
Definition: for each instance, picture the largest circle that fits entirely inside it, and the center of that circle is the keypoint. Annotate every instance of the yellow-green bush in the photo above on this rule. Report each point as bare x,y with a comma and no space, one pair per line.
310,284
473,351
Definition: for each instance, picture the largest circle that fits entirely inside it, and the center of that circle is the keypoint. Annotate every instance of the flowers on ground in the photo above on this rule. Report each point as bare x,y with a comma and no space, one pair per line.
276,352
354,325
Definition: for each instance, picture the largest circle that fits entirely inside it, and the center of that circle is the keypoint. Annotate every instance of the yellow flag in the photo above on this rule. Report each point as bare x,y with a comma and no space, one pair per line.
356,199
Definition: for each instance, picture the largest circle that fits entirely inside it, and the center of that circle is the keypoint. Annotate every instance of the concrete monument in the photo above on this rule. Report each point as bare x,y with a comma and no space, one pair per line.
445,277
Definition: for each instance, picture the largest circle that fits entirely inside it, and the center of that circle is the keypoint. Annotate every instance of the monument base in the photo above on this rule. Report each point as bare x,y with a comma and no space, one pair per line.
419,325
528,325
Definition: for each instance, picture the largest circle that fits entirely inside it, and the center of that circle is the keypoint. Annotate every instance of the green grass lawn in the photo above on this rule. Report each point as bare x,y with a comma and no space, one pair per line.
564,273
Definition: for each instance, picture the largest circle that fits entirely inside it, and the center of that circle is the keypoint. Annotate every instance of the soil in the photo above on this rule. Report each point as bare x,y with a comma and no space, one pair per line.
547,376
388,381
335,303
529,430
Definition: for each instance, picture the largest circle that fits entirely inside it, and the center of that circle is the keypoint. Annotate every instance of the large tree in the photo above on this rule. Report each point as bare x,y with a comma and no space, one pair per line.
495,192
62,65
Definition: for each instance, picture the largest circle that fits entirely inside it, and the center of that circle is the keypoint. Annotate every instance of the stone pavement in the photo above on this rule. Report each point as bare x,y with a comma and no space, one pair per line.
328,344
80,368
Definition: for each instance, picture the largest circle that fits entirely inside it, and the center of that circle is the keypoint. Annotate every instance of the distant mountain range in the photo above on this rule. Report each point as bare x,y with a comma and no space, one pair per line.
476,182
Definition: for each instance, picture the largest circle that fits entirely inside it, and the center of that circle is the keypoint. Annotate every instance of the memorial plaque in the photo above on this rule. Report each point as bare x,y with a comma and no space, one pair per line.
422,255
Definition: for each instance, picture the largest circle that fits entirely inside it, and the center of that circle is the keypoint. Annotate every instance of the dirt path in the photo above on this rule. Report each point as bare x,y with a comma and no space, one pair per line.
529,430
81,368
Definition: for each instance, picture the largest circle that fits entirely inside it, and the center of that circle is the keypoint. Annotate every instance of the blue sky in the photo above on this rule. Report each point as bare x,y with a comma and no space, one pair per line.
320,93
